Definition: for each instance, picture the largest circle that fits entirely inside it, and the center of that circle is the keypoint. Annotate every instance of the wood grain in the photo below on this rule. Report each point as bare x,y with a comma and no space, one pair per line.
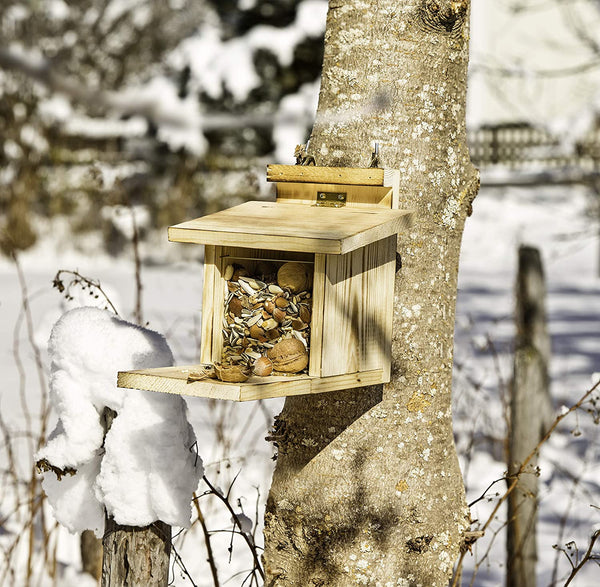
316,323
219,291
356,195
174,380
310,174
206,332
293,227
358,309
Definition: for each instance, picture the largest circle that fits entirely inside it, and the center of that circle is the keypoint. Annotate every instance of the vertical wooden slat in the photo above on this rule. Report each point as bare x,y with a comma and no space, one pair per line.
207,305
219,293
316,325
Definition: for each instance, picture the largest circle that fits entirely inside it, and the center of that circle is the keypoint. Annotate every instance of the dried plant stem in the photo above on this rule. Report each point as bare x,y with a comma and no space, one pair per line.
562,525
81,279
248,538
41,372
36,496
586,557
209,550
522,468
12,464
138,268
514,479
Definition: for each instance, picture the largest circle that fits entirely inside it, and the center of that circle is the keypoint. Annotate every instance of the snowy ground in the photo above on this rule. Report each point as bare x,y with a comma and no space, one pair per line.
231,436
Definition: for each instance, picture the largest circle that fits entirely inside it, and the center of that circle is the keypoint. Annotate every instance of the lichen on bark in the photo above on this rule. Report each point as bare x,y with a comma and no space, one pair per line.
367,488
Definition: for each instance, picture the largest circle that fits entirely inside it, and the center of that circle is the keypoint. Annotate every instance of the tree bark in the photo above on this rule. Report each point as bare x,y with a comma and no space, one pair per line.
367,488
136,557
531,414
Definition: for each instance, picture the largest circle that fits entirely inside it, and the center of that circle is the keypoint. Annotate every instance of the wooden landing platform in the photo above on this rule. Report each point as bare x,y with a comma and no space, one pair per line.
175,380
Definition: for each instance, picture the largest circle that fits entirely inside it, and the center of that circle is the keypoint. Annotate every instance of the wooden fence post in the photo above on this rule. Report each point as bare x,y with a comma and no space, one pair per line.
132,556
531,413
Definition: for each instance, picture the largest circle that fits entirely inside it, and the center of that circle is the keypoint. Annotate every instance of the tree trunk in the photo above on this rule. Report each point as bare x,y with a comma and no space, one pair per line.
531,413
367,488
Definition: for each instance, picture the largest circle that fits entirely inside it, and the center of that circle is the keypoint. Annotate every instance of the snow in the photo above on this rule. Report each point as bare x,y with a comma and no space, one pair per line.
144,471
231,436
293,118
216,64
122,218
179,120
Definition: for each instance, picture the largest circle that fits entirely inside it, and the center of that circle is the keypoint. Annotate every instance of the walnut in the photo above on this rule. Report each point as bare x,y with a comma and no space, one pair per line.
289,356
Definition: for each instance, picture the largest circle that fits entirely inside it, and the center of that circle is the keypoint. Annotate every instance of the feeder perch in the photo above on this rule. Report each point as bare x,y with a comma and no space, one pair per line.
341,225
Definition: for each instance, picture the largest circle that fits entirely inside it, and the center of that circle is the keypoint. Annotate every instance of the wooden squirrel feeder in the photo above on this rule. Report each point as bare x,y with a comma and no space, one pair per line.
339,225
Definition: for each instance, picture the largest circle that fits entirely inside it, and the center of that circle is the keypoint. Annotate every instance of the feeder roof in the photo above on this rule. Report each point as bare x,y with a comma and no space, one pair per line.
293,227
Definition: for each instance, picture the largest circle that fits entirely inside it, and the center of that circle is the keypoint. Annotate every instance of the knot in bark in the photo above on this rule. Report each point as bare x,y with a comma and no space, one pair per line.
444,16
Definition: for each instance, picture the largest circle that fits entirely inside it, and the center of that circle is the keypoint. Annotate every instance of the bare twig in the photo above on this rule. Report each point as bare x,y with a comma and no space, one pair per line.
138,268
84,282
209,551
515,477
589,555
248,538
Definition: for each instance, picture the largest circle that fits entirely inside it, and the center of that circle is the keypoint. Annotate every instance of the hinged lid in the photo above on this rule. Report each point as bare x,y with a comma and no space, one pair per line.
292,227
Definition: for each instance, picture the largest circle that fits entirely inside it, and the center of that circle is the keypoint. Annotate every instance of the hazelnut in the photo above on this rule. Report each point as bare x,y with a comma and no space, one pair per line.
273,334
257,333
304,314
263,367
281,302
297,324
239,271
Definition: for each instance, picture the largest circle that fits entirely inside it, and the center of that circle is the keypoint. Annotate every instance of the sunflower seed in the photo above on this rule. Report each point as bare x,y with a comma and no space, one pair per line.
253,320
247,288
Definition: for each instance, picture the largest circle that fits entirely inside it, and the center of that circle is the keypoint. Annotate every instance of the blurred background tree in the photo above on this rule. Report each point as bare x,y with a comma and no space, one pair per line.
165,110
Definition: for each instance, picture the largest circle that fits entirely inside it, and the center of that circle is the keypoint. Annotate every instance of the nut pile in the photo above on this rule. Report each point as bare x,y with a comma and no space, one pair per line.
266,323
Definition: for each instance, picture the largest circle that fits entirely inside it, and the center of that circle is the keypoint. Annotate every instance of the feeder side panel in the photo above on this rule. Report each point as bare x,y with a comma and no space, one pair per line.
357,309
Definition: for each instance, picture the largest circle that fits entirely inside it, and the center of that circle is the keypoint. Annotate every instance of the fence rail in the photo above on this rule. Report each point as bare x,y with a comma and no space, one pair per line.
521,146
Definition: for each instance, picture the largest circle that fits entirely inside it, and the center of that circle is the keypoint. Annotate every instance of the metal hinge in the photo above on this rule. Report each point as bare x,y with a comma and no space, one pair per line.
331,199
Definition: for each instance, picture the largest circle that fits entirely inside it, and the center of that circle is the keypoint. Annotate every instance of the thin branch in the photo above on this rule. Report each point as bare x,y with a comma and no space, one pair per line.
586,557
84,282
209,550
521,72
248,538
534,452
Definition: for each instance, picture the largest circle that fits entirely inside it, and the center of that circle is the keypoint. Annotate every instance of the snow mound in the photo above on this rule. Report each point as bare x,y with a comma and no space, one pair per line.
145,471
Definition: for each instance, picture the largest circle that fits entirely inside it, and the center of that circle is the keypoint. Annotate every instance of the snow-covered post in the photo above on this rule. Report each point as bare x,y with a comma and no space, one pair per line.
120,459
132,552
